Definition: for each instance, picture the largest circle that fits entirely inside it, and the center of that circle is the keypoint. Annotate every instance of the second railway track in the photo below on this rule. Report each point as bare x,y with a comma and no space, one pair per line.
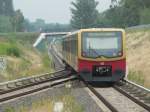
11,86
36,86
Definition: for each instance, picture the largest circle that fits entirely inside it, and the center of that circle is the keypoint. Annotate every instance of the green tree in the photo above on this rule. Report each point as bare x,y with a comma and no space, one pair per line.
84,14
2,3
114,17
39,24
5,24
9,9
132,11
102,20
27,25
14,19
145,16
6,7
125,13
18,21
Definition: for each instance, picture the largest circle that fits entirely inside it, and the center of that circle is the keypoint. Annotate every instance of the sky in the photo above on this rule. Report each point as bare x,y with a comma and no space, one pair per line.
52,11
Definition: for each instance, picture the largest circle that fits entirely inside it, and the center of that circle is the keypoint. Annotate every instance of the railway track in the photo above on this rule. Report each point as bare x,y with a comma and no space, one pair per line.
116,96
100,97
19,88
104,100
11,86
136,93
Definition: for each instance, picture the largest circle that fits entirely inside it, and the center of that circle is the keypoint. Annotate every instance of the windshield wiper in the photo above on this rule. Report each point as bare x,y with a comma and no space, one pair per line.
94,51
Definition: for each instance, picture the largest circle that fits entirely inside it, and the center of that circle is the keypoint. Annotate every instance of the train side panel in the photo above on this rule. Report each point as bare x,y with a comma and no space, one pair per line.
70,51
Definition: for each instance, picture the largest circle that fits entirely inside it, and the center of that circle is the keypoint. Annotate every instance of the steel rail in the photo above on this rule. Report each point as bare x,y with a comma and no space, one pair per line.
99,96
30,82
107,103
28,92
136,85
22,79
120,89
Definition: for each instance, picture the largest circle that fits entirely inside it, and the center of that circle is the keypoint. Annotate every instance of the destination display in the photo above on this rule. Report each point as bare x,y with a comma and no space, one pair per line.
101,34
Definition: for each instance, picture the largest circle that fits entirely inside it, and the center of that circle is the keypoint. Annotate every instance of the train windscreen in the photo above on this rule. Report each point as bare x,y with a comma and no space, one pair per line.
98,44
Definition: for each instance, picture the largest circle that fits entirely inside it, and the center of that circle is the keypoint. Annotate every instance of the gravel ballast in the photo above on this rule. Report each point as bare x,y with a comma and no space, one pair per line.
119,101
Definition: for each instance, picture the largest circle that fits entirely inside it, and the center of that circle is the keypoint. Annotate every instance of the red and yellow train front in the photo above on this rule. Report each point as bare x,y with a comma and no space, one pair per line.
102,54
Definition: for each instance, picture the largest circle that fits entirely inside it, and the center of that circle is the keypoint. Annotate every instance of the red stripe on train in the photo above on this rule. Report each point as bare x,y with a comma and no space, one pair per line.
87,65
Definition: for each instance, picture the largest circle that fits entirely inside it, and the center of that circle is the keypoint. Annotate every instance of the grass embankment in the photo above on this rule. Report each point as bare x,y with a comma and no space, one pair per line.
22,59
138,56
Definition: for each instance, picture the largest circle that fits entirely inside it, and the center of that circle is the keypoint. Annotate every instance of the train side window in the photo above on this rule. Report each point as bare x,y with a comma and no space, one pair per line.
74,45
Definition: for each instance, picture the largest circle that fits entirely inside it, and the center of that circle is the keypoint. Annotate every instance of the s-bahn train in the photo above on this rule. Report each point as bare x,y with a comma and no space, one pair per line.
96,54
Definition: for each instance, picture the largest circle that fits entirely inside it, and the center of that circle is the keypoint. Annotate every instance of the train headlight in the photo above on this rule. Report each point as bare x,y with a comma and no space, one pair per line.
120,53
83,54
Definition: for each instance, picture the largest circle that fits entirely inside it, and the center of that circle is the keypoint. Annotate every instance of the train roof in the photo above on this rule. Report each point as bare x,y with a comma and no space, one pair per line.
94,29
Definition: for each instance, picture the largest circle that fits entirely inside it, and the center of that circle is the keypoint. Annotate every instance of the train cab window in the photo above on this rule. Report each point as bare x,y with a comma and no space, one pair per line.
98,44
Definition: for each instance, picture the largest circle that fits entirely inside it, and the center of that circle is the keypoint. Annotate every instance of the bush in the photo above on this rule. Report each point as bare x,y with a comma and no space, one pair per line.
13,51
9,49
